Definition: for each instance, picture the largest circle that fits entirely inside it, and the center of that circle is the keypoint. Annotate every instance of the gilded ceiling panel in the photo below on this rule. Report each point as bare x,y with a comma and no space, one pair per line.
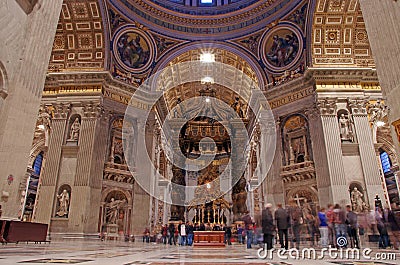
339,37
79,41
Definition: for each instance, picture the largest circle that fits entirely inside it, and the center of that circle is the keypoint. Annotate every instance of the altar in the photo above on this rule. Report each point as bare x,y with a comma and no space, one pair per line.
209,239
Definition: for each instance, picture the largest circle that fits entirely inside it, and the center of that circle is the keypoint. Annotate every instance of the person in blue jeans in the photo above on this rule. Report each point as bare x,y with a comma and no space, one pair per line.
190,234
240,234
248,226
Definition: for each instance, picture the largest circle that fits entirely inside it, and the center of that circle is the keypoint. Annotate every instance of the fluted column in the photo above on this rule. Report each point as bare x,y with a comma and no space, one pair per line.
320,156
86,190
238,160
333,147
372,177
273,182
142,199
50,174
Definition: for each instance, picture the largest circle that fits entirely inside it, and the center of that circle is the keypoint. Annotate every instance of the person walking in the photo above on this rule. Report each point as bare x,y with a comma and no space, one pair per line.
248,226
352,225
323,228
282,223
240,234
339,220
296,222
189,233
268,227
171,231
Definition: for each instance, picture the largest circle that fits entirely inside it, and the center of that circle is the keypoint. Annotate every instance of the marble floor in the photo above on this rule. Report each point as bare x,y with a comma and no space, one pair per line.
79,251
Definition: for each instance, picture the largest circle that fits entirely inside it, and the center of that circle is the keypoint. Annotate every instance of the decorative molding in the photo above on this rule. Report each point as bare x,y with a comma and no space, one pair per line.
61,110
327,106
357,106
92,110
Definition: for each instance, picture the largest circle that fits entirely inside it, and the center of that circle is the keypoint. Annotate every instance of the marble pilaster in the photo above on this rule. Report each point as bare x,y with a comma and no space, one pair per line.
370,166
319,156
50,174
333,147
86,190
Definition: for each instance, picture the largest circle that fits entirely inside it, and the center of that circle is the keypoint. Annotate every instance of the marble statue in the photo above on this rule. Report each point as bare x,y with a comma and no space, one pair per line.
75,130
112,211
63,199
357,200
345,131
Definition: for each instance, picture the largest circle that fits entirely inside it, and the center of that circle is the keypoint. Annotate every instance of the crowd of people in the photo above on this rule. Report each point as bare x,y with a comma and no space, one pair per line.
294,227
335,226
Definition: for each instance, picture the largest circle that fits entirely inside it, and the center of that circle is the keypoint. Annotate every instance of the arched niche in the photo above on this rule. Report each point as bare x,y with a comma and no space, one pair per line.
63,201
346,128
296,143
358,197
74,125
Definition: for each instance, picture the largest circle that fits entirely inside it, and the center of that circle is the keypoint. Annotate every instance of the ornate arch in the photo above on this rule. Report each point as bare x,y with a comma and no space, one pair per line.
307,192
106,192
387,145
248,64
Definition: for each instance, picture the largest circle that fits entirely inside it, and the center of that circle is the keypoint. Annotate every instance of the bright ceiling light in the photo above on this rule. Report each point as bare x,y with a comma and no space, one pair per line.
207,79
207,58
207,99
380,123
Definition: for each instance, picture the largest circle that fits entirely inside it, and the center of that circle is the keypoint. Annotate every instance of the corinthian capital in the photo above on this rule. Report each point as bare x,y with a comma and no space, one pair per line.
358,105
327,106
61,110
92,110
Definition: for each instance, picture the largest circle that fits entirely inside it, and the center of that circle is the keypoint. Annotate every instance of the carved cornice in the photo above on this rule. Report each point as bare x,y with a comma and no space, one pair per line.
298,172
61,110
82,78
348,74
327,106
290,87
358,106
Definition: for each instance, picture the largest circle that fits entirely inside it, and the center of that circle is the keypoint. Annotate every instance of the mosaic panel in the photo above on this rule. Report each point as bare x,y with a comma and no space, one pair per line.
339,36
133,49
79,40
282,48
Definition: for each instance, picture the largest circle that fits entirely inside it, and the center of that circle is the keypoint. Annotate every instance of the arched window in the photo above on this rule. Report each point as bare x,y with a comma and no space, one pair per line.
385,161
32,188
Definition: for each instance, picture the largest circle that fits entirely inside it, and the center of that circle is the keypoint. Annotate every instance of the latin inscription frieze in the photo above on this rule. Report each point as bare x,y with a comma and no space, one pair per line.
291,98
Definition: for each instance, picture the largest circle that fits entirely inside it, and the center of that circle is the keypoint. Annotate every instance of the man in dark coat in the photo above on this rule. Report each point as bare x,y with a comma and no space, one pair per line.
282,223
268,227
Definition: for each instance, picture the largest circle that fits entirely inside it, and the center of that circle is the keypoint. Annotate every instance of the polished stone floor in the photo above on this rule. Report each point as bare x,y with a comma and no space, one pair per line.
81,251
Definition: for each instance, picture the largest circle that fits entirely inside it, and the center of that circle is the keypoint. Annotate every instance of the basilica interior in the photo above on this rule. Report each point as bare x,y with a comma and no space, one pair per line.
121,115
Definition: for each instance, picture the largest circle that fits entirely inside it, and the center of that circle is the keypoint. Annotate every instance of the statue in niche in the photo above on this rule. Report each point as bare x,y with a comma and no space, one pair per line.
357,201
239,197
345,129
112,211
63,204
75,130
